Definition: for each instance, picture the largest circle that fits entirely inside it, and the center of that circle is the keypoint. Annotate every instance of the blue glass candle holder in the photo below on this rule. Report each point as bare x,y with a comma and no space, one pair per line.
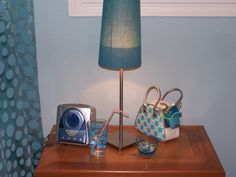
146,147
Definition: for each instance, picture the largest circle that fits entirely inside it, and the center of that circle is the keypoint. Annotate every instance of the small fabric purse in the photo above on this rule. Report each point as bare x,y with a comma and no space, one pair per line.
171,112
159,118
149,119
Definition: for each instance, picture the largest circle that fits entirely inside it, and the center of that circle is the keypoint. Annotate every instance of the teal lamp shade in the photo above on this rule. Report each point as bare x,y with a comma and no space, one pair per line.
120,41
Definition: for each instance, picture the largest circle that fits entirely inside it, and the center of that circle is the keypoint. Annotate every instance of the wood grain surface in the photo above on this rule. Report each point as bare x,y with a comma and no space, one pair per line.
190,155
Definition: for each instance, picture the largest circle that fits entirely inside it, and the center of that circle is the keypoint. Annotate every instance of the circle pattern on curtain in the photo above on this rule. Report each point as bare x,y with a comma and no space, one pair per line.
21,136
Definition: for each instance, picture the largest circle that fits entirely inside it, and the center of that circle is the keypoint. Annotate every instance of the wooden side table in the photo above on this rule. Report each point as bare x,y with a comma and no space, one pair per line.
191,155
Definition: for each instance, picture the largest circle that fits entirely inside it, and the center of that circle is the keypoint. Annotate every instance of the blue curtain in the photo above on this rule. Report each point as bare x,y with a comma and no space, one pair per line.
21,136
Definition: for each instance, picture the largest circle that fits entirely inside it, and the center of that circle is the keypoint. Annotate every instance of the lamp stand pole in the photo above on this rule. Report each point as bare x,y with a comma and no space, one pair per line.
121,139
121,109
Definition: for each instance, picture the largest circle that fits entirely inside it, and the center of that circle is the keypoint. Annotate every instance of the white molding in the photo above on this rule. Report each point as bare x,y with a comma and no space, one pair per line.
219,8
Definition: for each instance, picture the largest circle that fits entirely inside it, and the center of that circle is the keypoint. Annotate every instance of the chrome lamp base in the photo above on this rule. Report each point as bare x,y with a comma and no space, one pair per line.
128,139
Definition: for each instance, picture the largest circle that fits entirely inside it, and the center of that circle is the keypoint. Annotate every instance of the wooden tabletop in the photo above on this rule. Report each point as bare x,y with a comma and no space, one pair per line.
190,155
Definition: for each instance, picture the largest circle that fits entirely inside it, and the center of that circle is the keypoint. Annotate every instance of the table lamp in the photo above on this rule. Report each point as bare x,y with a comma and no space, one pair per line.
120,49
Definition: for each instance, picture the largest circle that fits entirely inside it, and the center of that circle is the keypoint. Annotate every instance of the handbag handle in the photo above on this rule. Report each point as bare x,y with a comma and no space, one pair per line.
178,103
157,89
